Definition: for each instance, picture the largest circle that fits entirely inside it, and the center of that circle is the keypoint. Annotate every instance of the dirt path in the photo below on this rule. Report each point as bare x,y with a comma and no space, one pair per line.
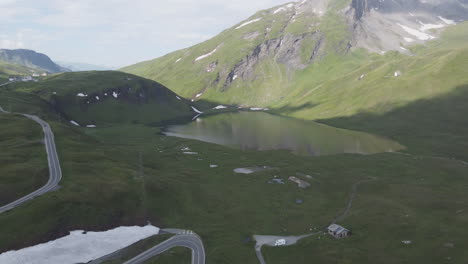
352,195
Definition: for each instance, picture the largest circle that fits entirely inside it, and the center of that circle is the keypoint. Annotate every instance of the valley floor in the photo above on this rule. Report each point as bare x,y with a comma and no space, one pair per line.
130,174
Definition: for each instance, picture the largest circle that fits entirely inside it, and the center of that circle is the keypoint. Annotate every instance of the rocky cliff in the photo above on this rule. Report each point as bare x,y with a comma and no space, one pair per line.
30,59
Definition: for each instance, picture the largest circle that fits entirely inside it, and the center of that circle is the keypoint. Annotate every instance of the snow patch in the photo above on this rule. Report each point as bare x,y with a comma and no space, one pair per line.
243,171
79,246
420,35
425,27
234,77
116,95
191,153
214,166
178,60
256,109
206,55
178,98
409,40
219,107
81,95
91,126
249,22
198,95
196,110
97,98
74,123
447,21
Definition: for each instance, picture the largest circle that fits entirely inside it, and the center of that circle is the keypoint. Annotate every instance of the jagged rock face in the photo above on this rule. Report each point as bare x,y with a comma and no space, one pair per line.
285,50
295,35
453,9
384,25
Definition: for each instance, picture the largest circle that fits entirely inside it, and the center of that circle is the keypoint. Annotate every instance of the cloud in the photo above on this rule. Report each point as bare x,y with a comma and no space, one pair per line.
119,31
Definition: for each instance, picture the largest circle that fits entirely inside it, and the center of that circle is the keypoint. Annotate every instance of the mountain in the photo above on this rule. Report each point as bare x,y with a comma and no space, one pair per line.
31,59
325,58
102,98
78,66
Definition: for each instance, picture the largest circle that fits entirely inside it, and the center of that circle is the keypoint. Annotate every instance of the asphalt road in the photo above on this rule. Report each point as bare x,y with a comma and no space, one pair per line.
5,84
54,165
182,238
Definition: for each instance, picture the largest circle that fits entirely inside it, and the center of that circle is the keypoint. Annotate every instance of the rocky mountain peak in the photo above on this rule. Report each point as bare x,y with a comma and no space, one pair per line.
31,59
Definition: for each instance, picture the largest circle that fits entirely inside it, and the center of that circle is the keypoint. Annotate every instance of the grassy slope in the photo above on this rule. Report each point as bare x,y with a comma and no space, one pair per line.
330,87
192,77
139,100
174,190
12,69
24,164
414,198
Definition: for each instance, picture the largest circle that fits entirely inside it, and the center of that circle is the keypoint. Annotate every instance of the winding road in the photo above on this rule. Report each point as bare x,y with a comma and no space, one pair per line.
54,165
183,238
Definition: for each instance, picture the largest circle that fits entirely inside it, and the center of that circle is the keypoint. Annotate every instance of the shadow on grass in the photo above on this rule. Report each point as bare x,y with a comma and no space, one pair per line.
437,126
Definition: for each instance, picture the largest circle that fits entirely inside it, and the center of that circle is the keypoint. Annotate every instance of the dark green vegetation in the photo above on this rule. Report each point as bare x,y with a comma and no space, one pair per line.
22,158
89,98
128,174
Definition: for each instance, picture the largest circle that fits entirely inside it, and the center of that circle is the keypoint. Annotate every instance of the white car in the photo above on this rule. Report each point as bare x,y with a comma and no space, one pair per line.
280,242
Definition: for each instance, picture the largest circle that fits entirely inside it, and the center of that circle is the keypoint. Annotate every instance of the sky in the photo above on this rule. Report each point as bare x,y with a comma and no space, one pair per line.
117,33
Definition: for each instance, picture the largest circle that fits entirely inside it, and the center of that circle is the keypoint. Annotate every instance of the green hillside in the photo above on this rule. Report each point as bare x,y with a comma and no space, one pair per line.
329,86
7,69
102,98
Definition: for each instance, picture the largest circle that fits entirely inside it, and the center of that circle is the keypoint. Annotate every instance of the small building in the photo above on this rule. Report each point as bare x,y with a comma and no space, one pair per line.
338,231
27,78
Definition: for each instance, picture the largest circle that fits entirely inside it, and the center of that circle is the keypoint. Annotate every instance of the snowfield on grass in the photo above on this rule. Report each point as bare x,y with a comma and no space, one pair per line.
74,123
425,27
447,21
196,110
243,171
283,8
79,247
249,22
420,35
219,107
206,55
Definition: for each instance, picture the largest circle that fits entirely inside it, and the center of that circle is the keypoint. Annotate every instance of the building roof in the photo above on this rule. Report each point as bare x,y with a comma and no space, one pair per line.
337,229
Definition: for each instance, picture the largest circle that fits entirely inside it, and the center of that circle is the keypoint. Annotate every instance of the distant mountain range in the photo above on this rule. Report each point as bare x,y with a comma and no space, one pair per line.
78,66
324,58
28,58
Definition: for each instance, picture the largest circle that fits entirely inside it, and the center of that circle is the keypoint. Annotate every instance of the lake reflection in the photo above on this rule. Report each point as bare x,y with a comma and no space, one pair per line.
263,131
